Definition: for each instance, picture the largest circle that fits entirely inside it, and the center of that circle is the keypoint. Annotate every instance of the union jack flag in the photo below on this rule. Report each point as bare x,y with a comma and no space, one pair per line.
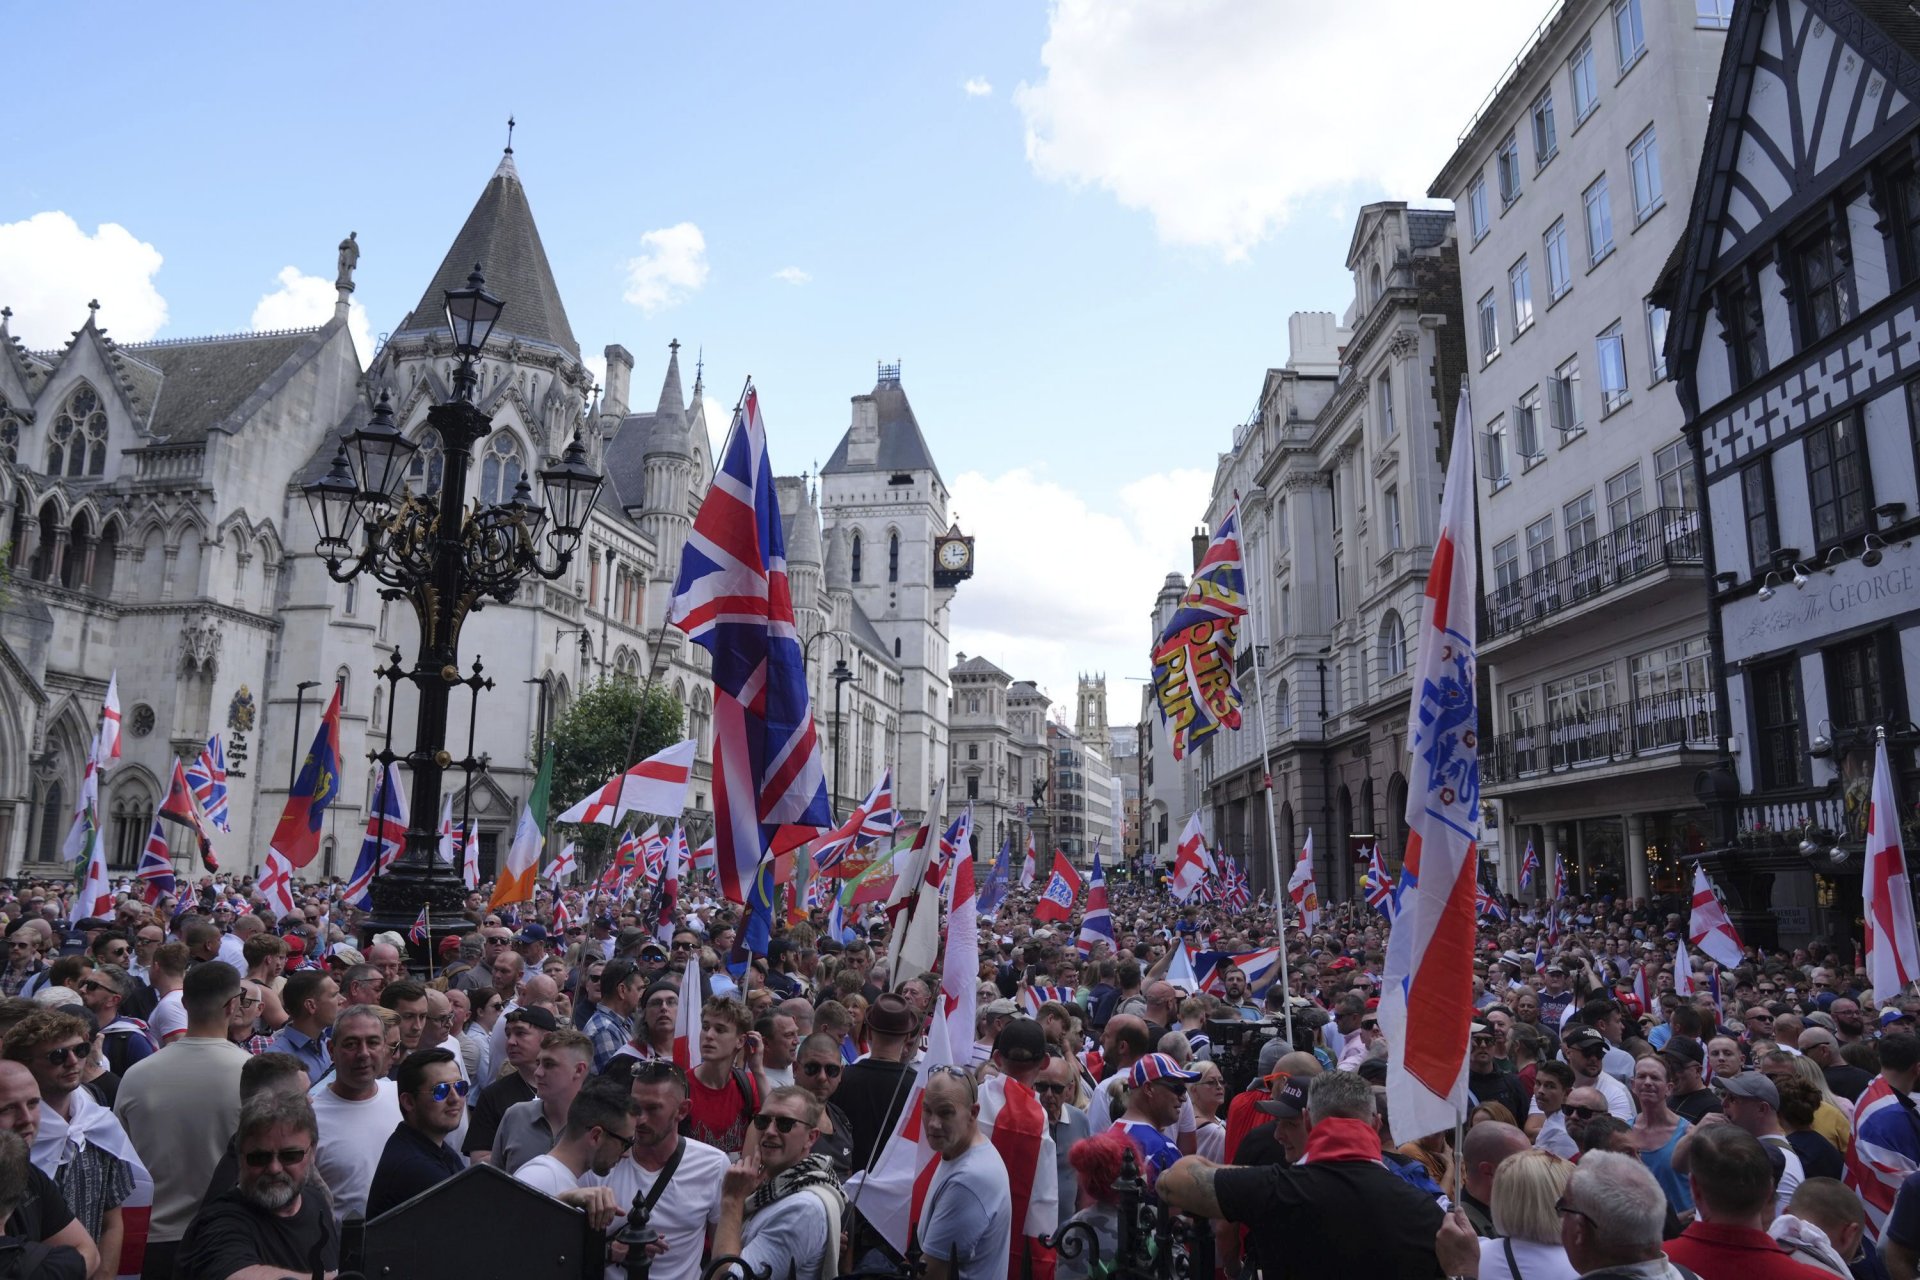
1034,997
1239,891
874,819
207,775
653,853
1487,904
1529,863
386,837
1559,879
156,865
732,599
422,930
1379,884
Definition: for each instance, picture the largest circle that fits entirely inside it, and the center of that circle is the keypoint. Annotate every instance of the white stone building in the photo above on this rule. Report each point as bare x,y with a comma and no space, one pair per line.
152,495
1571,186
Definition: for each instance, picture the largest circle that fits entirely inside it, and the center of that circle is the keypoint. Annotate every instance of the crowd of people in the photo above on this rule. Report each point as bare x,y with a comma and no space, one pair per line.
192,1088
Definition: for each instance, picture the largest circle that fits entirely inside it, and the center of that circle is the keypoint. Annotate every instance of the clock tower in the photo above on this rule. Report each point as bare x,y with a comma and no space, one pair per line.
883,493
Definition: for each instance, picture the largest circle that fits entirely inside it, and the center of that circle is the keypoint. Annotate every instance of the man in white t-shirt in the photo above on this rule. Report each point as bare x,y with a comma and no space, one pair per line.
597,1133
781,1206
1585,1050
1752,1102
689,1204
356,1108
966,1222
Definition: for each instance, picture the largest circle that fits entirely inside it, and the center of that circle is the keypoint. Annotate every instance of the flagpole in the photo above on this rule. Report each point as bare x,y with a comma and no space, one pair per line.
1266,789
426,913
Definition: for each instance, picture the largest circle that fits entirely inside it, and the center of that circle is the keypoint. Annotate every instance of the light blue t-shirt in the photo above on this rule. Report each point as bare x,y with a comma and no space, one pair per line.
967,1220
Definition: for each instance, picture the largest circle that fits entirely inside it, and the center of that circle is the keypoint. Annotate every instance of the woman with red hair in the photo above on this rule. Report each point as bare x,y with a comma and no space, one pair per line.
1096,1161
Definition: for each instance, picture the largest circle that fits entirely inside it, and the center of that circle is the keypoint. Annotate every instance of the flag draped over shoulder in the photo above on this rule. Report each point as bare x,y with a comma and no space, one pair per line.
1426,1003
1193,658
732,599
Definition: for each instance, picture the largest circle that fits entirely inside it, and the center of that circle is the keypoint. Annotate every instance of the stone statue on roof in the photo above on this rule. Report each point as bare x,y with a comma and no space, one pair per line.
349,258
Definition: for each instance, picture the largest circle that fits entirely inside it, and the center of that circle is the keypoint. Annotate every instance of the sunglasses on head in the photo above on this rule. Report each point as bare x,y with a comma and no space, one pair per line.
287,1157
654,1070
827,1069
784,1123
446,1087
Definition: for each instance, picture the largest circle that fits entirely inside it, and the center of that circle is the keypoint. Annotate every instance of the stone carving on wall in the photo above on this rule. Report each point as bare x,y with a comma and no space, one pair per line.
200,646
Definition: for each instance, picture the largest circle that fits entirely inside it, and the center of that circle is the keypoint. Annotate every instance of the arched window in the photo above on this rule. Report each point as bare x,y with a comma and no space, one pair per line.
77,440
132,820
423,473
1374,286
1283,703
1393,646
73,565
53,821
9,432
893,557
500,468
896,646
856,555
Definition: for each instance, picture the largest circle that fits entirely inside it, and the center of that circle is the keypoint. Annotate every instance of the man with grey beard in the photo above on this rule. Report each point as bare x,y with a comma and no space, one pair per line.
276,1217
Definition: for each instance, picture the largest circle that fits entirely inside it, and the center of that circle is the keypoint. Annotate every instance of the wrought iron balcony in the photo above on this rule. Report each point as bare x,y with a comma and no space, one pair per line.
1658,725
1668,537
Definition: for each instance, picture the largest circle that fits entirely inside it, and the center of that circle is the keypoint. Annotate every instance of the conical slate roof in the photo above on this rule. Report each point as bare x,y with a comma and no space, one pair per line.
902,446
501,237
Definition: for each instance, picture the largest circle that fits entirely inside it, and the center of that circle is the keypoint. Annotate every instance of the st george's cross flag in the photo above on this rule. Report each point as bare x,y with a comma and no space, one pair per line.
686,1024
96,891
384,841
1096,927
1708,927
1426,997
1683,983
276,884
657,784
1192,862
960,964
1301,890
110,723
1056,903
1893,949
732,599
1030,867
564,864
470,858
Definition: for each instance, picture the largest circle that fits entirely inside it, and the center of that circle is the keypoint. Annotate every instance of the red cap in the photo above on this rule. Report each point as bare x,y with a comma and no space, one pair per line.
1373,1003
449,943
296,945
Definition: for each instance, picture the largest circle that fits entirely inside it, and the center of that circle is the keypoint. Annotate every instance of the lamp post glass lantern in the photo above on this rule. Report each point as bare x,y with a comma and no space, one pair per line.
447,560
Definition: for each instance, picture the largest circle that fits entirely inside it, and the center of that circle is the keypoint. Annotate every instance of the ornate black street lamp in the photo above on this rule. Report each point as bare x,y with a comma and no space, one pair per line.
447,559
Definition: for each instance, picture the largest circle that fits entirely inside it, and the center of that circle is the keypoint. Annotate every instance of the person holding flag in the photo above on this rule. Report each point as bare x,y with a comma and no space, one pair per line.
1096,927
1301,890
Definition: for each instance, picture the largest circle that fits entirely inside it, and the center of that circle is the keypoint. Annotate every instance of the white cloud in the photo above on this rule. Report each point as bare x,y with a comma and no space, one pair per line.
978,87
719,421
793,275
672,267
1219,117
303,301
50,269
1063,587
597,366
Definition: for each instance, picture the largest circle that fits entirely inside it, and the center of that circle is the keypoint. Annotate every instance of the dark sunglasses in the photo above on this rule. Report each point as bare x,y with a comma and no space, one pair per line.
1370,1024
784,1123
827,1069
1044,1086
1582,1113
446,1087
1174,1087
286,1156
88,984
625,1140
64,1054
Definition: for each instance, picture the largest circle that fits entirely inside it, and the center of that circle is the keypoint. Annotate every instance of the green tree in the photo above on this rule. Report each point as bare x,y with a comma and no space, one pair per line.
590,745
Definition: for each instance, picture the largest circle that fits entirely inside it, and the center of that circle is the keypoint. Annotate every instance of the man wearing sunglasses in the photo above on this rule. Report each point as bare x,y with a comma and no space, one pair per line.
596,1137
680,1177
433,1100
1157,1093
780,1205
78,1141
276,1220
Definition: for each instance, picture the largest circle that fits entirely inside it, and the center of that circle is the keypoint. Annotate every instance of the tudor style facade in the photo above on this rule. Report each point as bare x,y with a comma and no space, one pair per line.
1796,344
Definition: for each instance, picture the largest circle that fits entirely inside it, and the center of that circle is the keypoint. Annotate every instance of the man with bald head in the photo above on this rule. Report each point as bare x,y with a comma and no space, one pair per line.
537,991
1845,1079
1124,1041
1486,1145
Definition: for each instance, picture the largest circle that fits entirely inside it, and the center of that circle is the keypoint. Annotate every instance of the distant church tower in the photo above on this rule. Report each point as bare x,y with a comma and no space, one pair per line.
1090,720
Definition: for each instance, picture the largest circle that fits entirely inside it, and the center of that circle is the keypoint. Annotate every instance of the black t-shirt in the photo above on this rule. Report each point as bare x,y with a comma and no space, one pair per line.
44,1213
1847,1080
1337,1218
229,1234
1817,1156
492,1104
1507,1090
1696,1106
1261,1146
31,1260
873,1095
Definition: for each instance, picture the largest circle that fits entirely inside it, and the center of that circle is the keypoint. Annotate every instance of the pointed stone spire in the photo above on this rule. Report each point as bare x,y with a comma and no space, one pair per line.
671,401
669,434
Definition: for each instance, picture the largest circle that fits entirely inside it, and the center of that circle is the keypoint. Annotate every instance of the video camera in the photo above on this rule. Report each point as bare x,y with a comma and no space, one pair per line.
1236,1045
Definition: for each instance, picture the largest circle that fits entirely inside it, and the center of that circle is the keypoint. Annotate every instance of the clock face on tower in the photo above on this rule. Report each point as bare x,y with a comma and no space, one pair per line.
952,559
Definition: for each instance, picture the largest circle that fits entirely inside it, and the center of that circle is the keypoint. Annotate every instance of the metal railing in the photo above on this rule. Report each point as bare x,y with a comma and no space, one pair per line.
1663,538
1663,723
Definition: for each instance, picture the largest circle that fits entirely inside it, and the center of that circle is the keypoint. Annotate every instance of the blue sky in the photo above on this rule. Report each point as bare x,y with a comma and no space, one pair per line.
1080,226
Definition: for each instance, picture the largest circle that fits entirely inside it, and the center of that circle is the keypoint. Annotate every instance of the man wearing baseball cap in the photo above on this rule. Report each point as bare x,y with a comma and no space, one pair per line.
1157,1093
1586,1050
